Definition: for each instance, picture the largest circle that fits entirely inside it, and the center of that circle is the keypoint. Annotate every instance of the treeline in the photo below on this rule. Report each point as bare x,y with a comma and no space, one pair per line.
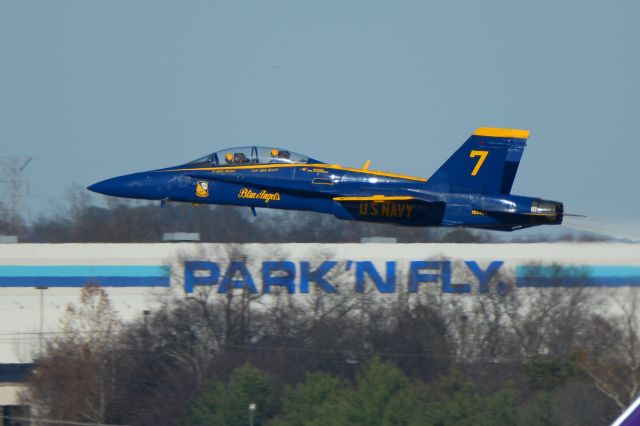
125,221
381,394
524,356
83,219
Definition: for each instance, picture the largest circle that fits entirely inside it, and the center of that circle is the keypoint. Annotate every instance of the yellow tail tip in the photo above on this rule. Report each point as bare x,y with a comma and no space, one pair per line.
502,133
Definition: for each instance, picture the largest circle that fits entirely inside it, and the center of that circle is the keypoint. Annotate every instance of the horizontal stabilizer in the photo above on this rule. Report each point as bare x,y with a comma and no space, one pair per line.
399,209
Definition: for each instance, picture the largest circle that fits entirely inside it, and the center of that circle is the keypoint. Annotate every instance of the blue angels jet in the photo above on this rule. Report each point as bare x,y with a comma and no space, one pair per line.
471,189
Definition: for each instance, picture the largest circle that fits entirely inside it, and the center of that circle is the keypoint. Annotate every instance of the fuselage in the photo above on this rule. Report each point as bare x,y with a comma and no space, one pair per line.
472,188
347,193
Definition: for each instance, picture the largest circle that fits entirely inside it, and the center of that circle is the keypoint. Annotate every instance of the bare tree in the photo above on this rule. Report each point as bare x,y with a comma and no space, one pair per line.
612,359
74,378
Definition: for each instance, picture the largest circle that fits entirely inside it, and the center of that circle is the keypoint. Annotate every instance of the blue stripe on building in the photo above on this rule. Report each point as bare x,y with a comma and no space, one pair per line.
578,276
84,271
83,275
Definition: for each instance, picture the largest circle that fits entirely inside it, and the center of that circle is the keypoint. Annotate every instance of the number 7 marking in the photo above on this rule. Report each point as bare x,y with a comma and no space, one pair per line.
482,155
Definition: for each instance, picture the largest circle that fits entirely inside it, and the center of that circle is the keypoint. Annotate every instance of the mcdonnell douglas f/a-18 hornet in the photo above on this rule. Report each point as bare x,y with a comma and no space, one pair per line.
471,189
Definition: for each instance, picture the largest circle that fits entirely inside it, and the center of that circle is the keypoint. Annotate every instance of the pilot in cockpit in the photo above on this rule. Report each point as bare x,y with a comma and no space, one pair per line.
277,154
235,158
240,158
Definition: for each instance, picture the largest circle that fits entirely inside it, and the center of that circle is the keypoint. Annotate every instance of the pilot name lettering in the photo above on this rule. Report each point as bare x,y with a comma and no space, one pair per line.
386,209
313,170
262,195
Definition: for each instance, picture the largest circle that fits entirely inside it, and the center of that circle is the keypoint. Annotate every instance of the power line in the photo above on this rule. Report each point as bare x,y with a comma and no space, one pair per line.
33,336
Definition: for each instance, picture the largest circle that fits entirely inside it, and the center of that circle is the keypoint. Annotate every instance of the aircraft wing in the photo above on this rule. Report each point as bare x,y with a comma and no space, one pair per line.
395,206
630,417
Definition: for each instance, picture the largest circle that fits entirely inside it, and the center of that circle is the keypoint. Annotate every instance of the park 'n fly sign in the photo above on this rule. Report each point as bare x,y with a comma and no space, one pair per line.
330,268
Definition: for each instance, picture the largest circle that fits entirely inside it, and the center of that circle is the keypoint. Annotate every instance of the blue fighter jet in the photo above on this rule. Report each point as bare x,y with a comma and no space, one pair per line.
471,189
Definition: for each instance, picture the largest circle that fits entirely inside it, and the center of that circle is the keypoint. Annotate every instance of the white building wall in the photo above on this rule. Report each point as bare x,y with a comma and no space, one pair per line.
20,305
10,393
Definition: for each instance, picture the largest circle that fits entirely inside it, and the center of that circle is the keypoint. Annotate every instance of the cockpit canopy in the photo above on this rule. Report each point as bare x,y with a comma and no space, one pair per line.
248,155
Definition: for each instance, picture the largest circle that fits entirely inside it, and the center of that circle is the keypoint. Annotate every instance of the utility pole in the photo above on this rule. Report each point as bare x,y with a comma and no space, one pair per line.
42,289
252,410
14,185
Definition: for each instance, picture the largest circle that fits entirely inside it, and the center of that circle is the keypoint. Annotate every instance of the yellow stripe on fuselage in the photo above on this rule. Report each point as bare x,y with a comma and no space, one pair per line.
373,172
316,165
502,133
375,198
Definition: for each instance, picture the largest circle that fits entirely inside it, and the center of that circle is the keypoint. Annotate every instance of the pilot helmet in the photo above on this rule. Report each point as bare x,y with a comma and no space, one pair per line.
229,157
274,152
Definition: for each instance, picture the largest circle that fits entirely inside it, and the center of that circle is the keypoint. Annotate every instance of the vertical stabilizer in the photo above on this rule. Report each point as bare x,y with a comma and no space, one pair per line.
485,164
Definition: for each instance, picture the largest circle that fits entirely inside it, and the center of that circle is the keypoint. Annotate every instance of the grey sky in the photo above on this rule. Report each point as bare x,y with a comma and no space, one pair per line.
96,89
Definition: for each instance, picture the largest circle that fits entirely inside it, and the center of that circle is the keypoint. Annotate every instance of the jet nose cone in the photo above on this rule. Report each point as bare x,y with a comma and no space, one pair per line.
105,187
137,185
